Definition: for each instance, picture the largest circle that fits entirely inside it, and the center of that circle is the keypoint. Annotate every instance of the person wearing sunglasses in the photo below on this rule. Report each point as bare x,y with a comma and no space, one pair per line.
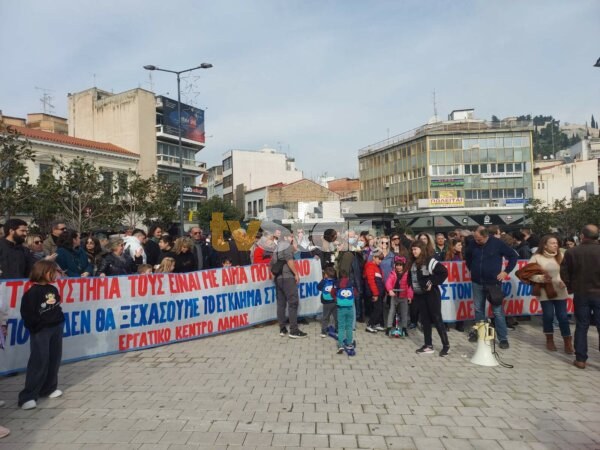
57,228
34,243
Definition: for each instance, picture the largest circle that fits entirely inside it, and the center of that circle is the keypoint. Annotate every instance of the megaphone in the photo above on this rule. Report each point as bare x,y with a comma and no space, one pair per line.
485,337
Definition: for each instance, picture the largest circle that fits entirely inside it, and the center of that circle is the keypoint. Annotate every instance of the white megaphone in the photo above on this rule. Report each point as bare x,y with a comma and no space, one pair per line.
485,337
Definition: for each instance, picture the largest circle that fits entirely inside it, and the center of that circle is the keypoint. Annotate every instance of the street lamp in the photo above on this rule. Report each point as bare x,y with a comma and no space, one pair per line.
178,73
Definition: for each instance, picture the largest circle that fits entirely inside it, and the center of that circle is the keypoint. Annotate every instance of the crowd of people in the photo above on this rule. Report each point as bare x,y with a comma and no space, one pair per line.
391,282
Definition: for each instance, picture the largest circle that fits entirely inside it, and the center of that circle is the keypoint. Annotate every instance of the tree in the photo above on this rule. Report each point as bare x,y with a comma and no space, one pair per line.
216,204
566,217
495,119
162,207
594,124
82,195
14,181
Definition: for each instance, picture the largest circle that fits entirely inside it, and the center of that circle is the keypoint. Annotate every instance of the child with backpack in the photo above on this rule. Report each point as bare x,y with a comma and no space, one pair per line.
326,286
401,295
344,294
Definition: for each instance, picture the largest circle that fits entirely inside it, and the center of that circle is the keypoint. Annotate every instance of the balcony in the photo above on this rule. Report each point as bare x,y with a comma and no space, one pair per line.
173,162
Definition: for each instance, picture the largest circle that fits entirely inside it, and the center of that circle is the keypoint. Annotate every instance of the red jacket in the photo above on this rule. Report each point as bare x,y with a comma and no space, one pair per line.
374,278
259,256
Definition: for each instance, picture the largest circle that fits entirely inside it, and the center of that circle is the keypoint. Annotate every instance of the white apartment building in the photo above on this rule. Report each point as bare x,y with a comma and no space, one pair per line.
557,180
246,170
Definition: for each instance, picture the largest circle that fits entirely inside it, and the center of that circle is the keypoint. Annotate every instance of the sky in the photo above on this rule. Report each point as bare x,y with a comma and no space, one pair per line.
318,80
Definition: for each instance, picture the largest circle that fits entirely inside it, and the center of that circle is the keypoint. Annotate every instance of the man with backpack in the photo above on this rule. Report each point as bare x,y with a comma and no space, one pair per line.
286,286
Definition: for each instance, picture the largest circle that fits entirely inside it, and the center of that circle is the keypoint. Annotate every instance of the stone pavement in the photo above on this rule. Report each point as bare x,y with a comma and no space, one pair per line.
255,390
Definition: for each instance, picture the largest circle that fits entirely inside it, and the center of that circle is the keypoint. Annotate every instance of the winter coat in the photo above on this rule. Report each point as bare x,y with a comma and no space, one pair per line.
118,265
390,283
73,262
373,275
485,261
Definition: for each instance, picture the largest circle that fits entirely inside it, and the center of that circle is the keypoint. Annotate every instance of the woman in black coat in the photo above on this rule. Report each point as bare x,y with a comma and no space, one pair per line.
185,260
425,274
118,262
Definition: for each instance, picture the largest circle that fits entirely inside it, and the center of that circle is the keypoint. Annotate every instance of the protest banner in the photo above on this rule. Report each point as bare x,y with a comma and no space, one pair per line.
106,315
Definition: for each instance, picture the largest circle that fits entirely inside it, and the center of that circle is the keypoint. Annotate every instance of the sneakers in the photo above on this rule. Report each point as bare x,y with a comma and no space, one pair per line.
371,329
57,393
283,331
404,332
426,349
579,364
379,328
444,351
340,350
412,326
297,334
323,334
472,336
4,432
31,404
504,345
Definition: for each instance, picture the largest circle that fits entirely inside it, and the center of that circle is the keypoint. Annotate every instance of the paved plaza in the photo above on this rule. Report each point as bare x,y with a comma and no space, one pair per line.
255,390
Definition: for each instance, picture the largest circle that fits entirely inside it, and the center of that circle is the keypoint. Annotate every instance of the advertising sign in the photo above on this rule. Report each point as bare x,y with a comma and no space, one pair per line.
448,182
446,202
195,191
502,175
192,120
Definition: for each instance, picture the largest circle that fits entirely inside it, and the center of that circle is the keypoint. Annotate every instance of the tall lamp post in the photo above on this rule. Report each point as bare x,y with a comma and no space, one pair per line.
178,73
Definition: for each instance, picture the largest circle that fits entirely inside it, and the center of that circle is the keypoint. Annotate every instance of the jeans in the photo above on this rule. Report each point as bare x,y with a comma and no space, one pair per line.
558,307
344,317
479,299
584,308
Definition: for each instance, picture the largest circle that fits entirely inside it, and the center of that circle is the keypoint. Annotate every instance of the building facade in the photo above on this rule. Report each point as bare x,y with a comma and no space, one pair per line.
303,200
145,124
246,170
113,162
460,172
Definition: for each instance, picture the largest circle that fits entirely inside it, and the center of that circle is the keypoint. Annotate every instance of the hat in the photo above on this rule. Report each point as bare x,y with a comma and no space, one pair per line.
399,260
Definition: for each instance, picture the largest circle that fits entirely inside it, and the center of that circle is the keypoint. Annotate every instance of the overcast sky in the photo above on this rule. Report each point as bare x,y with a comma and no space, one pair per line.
316,79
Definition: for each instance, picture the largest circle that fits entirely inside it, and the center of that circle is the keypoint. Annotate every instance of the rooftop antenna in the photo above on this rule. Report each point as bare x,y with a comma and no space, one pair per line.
435,114
150,81
46,100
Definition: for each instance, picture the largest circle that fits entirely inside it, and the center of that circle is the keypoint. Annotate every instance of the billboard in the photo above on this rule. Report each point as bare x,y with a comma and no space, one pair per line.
195,191
447,182
192,120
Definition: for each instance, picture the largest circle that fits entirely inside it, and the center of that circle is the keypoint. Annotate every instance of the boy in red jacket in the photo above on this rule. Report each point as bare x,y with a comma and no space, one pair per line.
375,289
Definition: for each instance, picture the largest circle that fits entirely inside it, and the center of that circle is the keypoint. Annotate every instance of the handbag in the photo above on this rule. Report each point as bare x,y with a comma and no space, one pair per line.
494,294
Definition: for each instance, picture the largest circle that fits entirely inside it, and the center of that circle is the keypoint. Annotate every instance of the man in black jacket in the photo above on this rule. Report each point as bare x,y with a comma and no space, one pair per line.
580,271
484,258
15,259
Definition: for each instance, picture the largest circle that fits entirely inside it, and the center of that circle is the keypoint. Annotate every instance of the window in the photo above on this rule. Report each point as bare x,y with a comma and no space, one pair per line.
249,210
484,168
260,205
45,168
518,167
227,163
122,183
107,181
509,167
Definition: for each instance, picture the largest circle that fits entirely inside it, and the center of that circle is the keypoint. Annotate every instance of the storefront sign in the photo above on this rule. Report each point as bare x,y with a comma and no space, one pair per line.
502,175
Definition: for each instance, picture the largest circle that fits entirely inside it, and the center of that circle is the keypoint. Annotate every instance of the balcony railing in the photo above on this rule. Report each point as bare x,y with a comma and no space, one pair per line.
445,127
